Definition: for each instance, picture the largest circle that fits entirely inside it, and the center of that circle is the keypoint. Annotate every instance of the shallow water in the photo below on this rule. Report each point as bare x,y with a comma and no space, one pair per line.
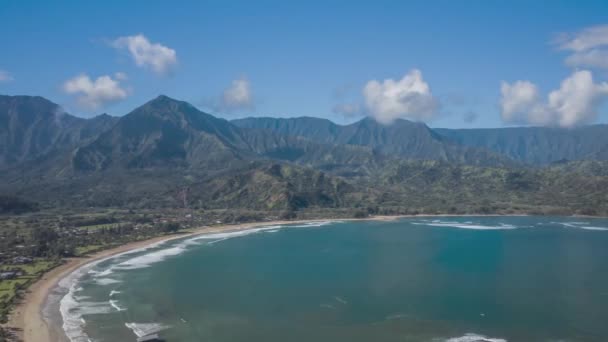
420,279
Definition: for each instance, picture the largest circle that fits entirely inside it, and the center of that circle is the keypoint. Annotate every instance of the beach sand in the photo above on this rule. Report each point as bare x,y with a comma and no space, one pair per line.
27,318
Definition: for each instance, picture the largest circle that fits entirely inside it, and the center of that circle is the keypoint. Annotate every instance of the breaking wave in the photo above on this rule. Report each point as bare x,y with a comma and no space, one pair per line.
581,225
465,225
145,329
474,338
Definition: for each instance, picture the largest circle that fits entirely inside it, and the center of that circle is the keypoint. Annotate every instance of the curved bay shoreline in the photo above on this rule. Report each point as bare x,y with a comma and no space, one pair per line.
27,319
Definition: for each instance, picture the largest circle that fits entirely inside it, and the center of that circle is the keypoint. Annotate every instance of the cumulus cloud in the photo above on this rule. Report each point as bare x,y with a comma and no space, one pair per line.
238,96
159,58
589,47
407,98
574,103
5,76
96,93
593,58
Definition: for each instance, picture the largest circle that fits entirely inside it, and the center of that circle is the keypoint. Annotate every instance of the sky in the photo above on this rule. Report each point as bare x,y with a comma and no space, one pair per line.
457,64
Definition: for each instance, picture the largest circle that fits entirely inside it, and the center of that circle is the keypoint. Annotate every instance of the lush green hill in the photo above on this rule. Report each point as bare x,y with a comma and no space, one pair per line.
167,149
577,187
402,139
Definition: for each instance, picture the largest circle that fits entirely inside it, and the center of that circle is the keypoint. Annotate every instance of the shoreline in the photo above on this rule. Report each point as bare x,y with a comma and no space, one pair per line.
27,318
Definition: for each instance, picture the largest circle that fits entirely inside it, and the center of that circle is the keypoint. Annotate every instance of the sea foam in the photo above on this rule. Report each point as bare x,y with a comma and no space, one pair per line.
581,225
114,304
474,338
145,329
465,225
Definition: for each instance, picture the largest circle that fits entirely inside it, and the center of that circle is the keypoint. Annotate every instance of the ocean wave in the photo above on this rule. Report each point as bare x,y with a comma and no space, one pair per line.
106,281
114,304
314,224
148,259
593,228
474,338
71,309
145,329
463,225
581,225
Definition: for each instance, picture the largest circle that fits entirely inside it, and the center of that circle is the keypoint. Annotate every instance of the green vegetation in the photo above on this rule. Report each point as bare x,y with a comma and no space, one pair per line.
24,275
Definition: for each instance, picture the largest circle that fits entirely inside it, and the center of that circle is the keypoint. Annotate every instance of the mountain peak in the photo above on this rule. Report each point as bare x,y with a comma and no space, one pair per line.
163,100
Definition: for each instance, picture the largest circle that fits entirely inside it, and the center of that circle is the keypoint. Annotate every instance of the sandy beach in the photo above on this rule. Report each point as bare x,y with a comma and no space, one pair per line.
27,317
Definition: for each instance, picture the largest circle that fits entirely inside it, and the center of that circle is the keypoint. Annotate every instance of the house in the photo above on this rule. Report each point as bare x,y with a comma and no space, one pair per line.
8,275
22,260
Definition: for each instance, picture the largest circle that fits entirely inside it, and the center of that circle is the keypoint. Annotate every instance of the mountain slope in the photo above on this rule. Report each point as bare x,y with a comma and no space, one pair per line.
537,145
31,127
163,132
402,139
170,133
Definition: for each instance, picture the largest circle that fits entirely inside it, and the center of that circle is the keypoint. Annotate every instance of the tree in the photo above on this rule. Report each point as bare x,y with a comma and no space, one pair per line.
170,227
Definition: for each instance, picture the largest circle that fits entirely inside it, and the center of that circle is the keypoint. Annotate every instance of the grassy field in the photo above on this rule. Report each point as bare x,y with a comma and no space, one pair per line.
84,250
9,288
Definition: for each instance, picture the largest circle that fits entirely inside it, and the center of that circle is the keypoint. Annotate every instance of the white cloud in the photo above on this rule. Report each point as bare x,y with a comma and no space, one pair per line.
518,100
408,98
5,76
586,39
574,103
589,47
237,96
121,76
161,59
94,94
593,58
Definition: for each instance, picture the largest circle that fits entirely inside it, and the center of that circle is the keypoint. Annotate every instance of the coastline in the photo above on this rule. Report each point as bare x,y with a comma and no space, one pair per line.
27,318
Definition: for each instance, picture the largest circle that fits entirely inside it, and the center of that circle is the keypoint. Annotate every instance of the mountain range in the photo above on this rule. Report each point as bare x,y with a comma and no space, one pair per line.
146,157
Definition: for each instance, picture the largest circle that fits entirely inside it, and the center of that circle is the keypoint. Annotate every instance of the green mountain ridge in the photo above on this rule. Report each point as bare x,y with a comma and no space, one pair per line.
149,157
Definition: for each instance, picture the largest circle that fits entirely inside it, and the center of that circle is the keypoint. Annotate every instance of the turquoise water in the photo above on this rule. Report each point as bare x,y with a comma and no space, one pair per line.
419,279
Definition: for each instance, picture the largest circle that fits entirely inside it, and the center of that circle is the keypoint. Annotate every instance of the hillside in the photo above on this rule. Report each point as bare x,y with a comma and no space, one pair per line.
31,127
537,145
402,139
151,156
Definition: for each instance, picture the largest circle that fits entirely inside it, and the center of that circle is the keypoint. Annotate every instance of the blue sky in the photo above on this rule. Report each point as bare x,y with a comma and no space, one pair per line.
313,58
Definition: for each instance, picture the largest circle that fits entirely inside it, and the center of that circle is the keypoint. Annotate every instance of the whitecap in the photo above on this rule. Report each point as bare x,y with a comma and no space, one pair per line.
395,316
114,304
145,329
579,225
341,300
147,259
106,281
474,338
466,225
593,228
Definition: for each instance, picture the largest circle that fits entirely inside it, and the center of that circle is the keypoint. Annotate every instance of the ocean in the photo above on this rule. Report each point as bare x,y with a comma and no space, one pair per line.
444,279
